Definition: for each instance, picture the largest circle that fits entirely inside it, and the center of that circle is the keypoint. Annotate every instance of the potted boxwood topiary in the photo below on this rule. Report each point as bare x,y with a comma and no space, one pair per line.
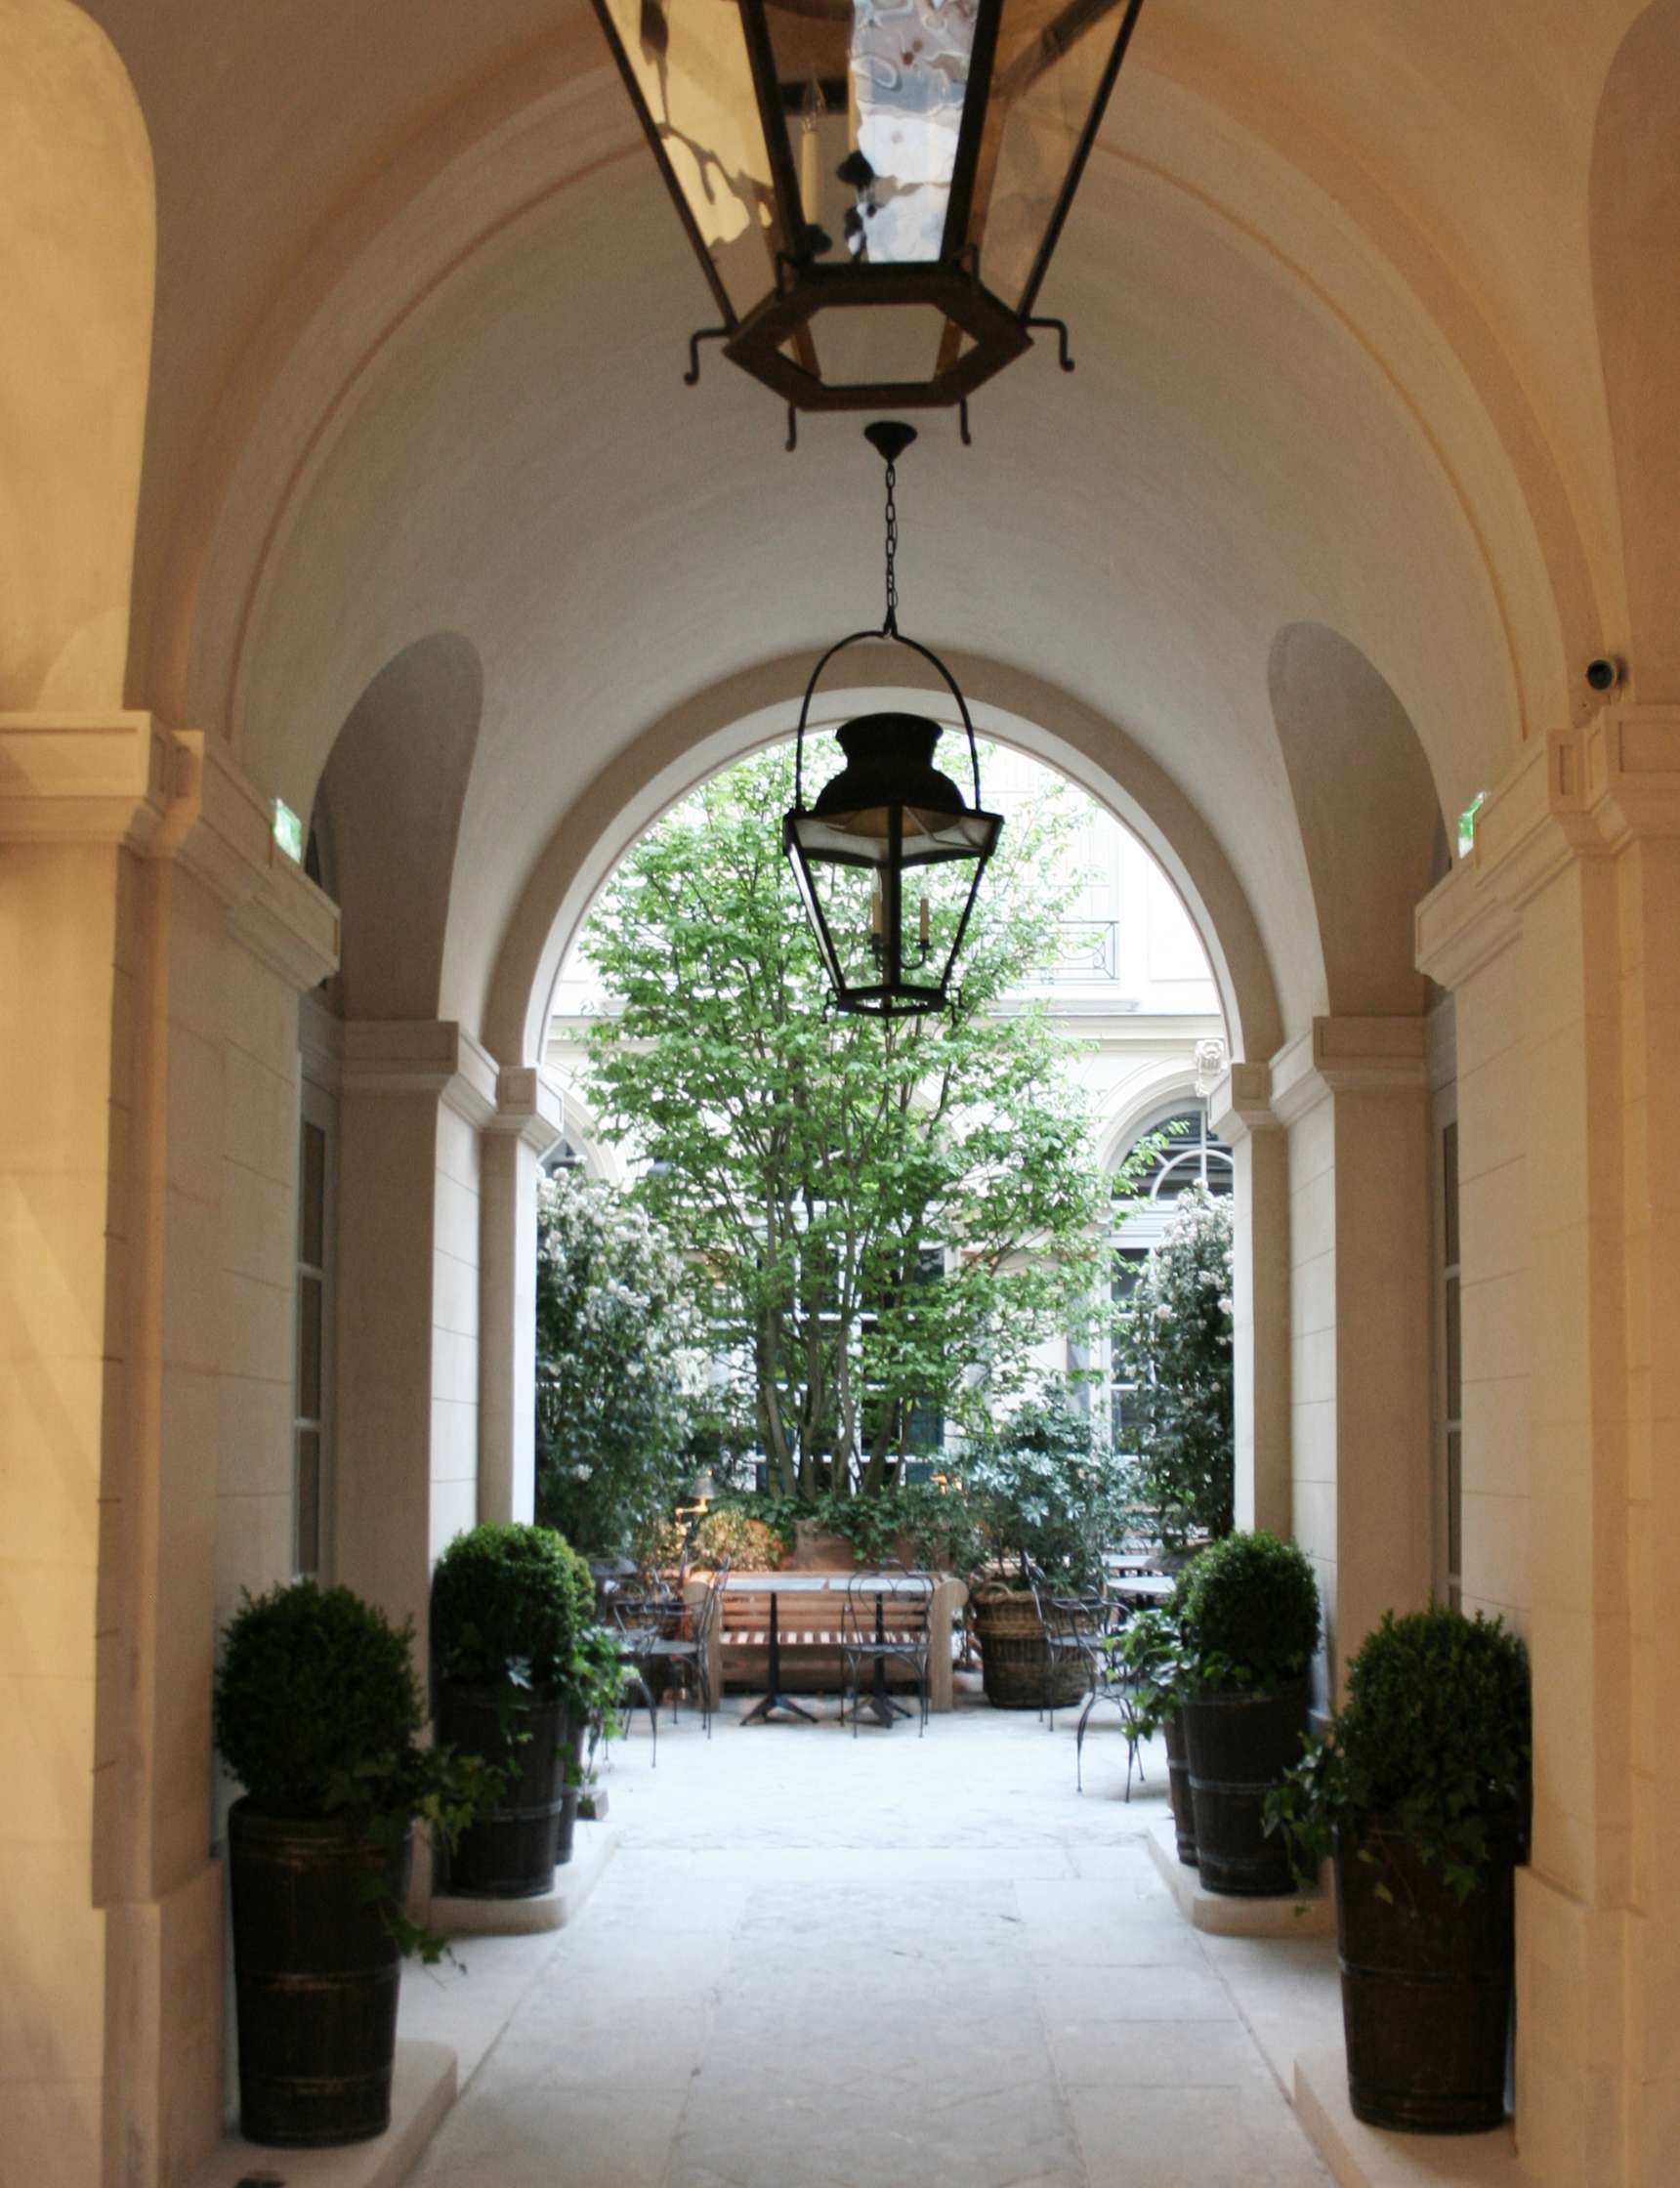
317,1713
1249,1616
1420,1788
510,1608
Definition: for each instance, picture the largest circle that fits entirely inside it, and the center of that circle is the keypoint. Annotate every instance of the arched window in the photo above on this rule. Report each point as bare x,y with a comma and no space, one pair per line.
1191,1154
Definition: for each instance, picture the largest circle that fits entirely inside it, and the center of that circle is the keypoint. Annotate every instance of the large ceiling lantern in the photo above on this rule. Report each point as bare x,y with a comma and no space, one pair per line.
874,187
889,856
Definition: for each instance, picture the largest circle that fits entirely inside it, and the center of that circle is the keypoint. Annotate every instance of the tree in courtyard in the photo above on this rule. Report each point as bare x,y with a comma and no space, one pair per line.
1172,1345
886,1218
617,1355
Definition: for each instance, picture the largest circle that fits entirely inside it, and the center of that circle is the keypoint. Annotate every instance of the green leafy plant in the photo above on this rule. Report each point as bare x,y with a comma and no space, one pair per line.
1043,1490
1434,1745
1160,1671
1173,1346
858,1195
617,1365
1248,1611
510,1606
318,1713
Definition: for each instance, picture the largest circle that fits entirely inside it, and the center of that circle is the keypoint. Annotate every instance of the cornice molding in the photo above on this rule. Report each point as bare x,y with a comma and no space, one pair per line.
530,1106
1574,794
421,1056
1348,1056
128,779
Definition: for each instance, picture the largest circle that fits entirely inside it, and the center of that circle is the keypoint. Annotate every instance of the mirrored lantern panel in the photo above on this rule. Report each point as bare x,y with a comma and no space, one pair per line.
689,65
1052,60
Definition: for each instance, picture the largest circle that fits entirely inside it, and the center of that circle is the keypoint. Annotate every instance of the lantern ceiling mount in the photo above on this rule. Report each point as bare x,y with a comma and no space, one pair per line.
874,189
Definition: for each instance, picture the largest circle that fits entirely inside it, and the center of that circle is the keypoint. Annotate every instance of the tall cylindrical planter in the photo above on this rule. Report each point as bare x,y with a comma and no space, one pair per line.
511,1851
1240,1743
1426,1989
572,1792
315,1976
1016,1668
1178,1788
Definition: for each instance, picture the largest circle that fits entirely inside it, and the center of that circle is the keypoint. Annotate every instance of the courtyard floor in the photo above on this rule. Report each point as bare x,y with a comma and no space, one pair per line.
883,1963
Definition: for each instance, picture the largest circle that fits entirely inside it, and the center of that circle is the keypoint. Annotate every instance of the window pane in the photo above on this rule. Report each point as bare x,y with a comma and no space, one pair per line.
310,1290
1449,1191
307,1546
311,1194
1454,1503
1455,1354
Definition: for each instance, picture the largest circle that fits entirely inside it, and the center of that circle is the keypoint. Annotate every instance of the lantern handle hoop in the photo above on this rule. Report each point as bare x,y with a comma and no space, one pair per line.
898,638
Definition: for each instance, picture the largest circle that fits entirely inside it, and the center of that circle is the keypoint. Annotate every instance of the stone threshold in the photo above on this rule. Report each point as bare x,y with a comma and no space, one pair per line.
1362,2156
1225,1913
422,2091
593,1848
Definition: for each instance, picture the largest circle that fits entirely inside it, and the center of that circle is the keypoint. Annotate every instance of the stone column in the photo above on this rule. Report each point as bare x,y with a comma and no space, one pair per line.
144,907
1561,938
1239,1111
525,1126
1353,1093
416,1095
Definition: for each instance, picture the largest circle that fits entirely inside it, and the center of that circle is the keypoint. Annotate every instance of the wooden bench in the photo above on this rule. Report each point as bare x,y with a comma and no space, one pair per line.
809,1629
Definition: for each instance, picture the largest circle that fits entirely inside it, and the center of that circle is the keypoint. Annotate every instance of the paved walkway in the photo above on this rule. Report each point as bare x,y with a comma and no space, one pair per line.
820,1962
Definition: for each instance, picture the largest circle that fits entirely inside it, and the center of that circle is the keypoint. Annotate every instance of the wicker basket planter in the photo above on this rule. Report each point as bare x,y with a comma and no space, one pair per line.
1014,1655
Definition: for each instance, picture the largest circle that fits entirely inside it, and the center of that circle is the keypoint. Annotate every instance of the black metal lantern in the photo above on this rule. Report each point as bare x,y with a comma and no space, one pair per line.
888,856
874,187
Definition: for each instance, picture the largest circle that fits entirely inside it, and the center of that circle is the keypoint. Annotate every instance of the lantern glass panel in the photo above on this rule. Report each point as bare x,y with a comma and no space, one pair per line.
1051,55
688,61
874,98
864,344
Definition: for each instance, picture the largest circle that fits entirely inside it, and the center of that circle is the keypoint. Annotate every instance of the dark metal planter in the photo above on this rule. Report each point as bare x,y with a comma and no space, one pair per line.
1178,1788
512,1852
1426,1990
1240,1743
315,1976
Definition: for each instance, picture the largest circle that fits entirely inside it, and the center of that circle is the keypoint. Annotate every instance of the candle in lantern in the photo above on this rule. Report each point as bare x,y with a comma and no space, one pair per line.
924,926
812,111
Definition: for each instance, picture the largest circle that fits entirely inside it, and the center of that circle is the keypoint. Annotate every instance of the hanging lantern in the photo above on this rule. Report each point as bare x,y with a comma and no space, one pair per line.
873,188
888,856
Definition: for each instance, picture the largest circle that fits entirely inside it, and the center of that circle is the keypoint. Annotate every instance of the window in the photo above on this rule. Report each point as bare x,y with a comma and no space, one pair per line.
1452,1369
312,1381
1191,1155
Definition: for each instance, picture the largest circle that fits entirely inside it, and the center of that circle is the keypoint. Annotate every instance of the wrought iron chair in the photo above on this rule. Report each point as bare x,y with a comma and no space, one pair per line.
869,1643
1076,1626
1112,1681
681,1643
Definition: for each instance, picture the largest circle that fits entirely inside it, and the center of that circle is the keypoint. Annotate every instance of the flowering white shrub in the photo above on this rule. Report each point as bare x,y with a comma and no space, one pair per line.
617,1364
1173,1342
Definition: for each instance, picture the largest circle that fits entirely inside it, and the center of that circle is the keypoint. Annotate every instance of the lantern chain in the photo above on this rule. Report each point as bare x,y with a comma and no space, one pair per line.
891,625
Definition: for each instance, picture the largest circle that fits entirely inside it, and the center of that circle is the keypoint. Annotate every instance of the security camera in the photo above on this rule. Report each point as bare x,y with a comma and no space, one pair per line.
1604,674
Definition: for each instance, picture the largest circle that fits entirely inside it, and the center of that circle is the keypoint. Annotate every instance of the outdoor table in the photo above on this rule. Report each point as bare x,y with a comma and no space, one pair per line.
774,1585
1139,1588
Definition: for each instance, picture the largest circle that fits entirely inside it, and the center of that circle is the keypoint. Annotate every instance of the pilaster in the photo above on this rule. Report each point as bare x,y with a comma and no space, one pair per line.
143,904
526,1125
1239,1111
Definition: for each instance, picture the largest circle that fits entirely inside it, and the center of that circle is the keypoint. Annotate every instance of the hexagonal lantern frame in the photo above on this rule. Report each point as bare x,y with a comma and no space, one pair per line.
735,88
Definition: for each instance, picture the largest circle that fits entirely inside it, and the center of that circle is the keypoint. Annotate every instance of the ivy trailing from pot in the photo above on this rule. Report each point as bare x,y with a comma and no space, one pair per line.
318,1715
1420,1790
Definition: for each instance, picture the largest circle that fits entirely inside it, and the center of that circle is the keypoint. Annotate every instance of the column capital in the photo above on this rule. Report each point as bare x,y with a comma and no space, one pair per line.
529,1105
1348,1056
1239,1101
421,1056
1574,794
127,778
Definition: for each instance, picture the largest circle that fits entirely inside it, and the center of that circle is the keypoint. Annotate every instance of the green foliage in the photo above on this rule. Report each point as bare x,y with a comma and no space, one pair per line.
1248,1611
929,1527
1042,1488
1173,1344
616,1338
857,1192
313,1684
1163,1672
510,1606
741,1534
318,1712
1433,1743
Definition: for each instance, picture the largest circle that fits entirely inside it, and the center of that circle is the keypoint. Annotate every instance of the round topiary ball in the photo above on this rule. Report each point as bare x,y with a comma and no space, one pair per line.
1249,1605
1437,1719
313,1684
509,1606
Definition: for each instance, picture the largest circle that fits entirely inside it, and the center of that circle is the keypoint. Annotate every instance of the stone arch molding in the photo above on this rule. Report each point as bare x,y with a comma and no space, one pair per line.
758,707
75,348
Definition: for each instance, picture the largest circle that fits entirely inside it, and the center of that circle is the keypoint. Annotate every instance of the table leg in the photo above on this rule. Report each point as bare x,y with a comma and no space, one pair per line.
881,1701
773,1697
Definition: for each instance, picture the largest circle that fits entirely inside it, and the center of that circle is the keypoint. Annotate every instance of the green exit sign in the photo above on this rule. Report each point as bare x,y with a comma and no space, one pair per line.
288,831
